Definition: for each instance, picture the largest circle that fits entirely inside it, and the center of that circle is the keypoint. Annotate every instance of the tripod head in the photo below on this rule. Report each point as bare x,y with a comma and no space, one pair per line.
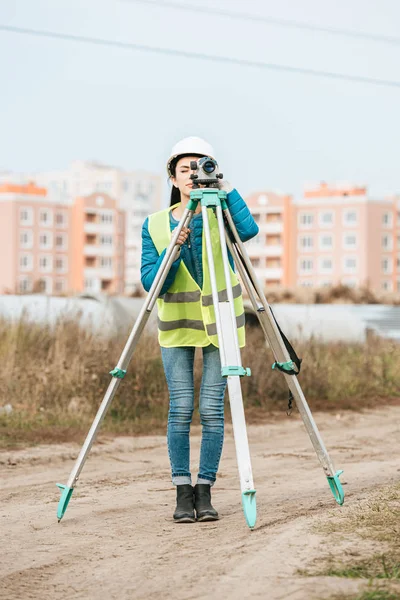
206,172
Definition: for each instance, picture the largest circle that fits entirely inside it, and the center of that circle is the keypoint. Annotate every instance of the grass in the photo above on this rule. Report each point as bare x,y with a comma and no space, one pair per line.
373,524
55,378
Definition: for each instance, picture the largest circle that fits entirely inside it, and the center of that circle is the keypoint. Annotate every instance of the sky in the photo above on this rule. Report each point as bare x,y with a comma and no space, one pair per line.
62,100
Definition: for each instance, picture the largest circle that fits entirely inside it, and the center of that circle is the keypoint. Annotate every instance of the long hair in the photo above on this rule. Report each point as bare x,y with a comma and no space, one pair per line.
175,193
175,196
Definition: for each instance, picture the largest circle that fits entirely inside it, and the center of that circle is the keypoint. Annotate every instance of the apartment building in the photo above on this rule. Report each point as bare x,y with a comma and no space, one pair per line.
97,237
333,234
57,248
270,250
342,236
138,193
35,250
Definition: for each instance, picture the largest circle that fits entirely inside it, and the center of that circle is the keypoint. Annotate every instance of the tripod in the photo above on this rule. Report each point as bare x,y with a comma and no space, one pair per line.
215,210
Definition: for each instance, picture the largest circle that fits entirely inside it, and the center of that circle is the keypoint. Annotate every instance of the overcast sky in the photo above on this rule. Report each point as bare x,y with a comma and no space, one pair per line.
64,100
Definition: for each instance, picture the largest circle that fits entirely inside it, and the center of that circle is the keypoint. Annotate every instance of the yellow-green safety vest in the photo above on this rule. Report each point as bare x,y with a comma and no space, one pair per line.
186,314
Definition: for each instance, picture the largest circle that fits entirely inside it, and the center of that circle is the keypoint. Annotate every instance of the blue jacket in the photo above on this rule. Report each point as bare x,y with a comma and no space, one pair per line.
191,251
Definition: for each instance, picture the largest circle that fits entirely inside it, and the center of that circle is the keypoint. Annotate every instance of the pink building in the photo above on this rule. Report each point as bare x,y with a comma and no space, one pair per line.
270,249
342,236
98,240
332,235
35,249
57,248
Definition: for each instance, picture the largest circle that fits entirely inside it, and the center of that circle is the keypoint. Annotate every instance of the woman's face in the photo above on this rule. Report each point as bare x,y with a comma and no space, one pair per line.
182,176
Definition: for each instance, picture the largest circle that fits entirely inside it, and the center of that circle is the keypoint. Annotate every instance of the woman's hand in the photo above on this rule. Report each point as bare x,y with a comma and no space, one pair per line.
183,236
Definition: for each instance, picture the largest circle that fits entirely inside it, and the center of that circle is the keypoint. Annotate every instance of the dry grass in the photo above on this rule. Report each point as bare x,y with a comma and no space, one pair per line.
335,294
55,378
373,526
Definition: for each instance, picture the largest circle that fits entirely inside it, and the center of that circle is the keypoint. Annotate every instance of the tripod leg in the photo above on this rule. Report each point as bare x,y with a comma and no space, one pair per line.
231,363
281,355
120,370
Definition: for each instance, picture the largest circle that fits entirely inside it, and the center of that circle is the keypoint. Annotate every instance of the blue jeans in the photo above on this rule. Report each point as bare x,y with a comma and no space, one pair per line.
178,367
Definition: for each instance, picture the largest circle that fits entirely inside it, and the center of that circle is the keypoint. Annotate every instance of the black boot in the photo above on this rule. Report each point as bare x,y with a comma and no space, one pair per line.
202,502
184,512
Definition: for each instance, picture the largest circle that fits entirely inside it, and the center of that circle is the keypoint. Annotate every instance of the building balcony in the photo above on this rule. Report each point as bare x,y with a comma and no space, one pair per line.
271,227
98,273
272,273
89,227
95,250
273,250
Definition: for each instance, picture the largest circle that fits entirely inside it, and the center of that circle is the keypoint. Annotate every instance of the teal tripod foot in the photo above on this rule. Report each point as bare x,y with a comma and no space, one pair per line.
249,507
336,487
63,502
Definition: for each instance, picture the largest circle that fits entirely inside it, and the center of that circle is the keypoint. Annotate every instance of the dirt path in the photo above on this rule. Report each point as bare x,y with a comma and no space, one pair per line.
117,539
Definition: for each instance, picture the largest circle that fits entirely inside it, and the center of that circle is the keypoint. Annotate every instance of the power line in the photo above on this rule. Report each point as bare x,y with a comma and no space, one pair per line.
199,56
244,16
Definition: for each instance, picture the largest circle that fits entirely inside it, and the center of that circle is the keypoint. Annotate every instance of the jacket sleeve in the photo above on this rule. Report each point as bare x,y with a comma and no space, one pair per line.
245,224
151,262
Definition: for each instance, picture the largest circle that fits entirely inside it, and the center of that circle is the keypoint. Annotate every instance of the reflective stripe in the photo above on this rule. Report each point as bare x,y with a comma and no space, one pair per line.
180,324
181,296
212,329
222,295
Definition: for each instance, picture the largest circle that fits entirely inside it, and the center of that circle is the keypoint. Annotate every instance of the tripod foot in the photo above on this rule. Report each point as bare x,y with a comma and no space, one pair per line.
63,502
336,487
249,507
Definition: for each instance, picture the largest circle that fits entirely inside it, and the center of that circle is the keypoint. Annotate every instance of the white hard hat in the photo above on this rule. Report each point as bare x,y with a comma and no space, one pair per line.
190,145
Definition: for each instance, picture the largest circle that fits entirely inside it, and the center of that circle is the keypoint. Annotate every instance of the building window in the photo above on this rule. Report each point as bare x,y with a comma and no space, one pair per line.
306,220
45,263
387,242
90,284
350,217
125,186
306,283
106,262
387,265
24,285
106,218
387,285
306,265
106,240
326,218
60,285
306,243
45,241
61,241
61,264
26,239
350,264
61,219
387,219
351,283
326,242
45,285
325,264
26,262
349,240
26,216
45,217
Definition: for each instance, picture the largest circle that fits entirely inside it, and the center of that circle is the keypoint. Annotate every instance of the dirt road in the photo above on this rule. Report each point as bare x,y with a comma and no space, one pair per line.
117,539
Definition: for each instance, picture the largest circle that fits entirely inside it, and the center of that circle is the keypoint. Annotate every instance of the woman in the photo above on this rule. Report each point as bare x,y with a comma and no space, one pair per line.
185,321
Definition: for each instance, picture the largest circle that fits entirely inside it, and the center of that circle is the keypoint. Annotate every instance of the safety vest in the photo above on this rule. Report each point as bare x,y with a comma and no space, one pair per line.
186,314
